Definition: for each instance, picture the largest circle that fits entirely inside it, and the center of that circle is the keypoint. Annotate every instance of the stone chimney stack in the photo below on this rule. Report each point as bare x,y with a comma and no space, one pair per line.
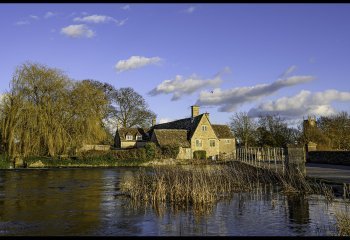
194,111
154,120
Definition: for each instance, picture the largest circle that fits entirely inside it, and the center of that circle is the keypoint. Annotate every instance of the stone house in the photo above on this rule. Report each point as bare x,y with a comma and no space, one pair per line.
190,134
131,137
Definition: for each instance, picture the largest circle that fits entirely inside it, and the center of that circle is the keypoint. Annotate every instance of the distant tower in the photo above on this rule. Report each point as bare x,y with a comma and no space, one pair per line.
310,122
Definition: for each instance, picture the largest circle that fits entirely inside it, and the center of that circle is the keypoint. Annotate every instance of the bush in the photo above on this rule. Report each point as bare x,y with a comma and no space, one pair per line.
151,149
170,151
4,162
200,154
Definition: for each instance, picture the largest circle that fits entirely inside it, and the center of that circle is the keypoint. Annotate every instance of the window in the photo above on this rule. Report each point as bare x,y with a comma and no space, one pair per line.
204,128
138,137
128,137
212,143
227,141
198,143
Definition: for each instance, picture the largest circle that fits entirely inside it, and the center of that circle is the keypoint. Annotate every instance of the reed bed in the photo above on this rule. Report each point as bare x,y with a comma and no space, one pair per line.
206,185
343,223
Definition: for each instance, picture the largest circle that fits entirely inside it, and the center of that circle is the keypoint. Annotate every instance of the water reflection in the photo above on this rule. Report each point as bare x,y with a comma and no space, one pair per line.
87,202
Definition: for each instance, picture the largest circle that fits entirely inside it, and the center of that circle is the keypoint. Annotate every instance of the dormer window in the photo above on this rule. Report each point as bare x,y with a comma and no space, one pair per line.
139,137
129,137
204,128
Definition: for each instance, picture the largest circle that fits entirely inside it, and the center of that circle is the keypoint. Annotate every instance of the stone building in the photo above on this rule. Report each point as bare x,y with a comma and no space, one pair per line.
190,134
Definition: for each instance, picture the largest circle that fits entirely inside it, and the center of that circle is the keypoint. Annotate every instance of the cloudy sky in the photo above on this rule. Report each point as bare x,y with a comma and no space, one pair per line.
286,59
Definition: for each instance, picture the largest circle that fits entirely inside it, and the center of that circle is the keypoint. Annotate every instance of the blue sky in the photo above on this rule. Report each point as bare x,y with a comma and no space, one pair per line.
287,59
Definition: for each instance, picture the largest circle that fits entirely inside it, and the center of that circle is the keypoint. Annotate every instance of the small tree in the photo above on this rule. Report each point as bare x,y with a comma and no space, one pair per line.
151,149
244,129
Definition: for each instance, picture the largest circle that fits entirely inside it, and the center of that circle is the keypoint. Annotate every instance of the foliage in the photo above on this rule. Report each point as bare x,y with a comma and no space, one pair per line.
273,131
336,129
151,150
45,113
170,151
4,162
200,154
244,129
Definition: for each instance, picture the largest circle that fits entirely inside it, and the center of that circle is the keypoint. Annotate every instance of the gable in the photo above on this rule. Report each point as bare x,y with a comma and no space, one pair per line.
198,132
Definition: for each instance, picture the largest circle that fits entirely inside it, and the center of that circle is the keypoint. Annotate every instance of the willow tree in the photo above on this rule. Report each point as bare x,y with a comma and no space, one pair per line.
45,113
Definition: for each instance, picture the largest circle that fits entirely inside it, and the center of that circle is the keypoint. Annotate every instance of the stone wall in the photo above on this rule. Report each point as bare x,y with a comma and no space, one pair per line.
88,147
329,157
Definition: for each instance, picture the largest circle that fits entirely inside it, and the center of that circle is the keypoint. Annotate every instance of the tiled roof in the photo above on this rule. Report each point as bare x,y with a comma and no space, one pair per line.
222,131
189,124
134,132
172,137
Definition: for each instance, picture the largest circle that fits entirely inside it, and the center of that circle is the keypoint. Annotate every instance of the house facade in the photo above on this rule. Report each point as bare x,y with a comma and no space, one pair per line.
190,134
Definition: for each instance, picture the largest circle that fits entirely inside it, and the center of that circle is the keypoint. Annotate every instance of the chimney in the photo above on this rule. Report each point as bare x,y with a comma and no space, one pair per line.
194,111
153,121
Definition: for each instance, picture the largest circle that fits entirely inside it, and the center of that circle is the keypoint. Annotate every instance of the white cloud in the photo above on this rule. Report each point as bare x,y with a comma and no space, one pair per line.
122,22
34,17
135,62
126,7
49,14
20,23
99,19
95,19
288,71
228,100
164,120
76,31
181,86
303,104
190,9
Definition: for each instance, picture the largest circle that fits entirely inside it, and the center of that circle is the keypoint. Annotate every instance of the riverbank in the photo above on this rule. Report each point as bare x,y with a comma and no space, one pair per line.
98,161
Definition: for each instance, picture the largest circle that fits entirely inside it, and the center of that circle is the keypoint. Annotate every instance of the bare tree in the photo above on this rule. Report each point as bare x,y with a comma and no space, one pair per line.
244,129
131,109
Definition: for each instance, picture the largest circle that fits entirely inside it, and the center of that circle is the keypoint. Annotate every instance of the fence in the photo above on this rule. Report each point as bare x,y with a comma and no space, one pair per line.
272,158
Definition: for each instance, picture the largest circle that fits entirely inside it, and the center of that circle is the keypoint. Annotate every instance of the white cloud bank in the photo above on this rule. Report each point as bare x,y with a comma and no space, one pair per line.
228,100
135,62
181,86
303,104
78,31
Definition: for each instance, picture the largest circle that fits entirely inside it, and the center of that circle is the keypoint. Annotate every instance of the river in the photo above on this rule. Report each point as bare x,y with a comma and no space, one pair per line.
85,201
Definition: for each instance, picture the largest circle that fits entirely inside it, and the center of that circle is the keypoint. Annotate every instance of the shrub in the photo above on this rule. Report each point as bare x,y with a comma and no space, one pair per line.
200,154
170,151
151,149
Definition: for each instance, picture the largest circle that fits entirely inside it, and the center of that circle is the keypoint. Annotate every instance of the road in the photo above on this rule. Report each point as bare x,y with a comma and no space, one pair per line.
336,173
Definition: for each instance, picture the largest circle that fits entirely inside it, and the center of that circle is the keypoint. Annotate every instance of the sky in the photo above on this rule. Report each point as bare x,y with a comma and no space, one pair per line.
287,59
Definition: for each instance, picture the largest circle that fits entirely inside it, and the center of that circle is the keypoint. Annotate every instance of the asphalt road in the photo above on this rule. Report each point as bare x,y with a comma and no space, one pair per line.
336,173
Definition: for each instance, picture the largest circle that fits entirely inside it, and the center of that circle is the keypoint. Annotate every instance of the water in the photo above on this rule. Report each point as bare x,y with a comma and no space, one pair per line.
86,202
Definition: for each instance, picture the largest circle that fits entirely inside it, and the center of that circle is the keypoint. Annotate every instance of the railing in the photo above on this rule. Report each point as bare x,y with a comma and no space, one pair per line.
270,158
